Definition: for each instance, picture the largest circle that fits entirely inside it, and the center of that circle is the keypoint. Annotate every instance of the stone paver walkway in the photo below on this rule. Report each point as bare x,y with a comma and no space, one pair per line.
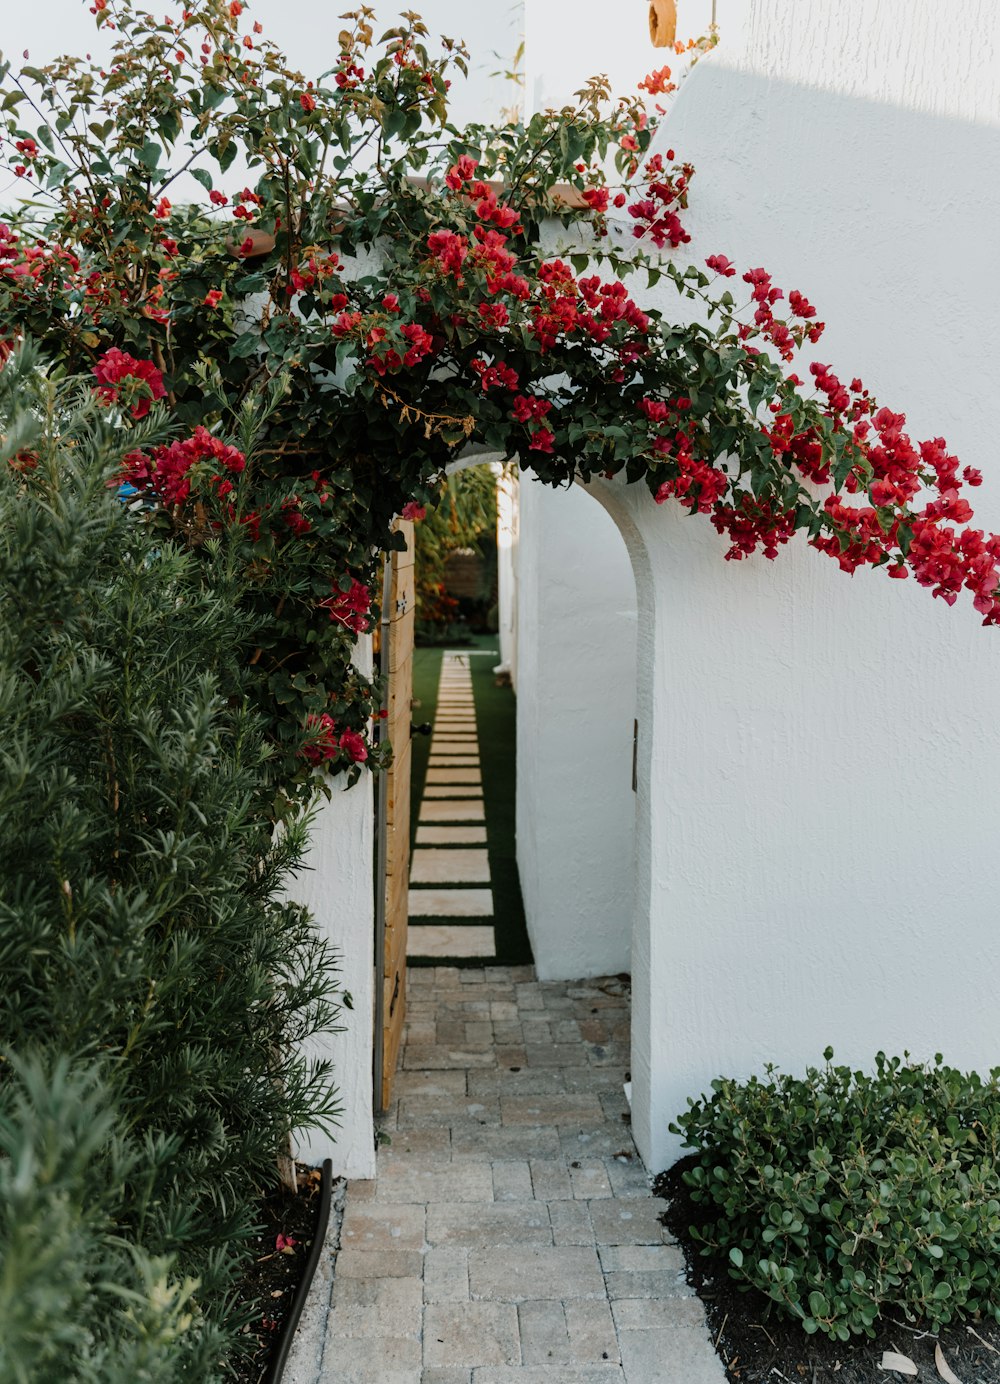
510,1237
450,852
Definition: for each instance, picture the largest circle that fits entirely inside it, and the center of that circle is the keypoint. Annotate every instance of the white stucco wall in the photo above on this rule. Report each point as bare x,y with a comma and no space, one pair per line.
819,758
508,539
819,766
336,884
576,625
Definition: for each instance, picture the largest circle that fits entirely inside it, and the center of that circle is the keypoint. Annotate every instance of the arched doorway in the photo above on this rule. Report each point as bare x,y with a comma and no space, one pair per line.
579,814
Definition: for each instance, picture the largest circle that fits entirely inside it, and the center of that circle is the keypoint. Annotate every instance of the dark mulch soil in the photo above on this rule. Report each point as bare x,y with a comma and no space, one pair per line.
757,1346
273,1275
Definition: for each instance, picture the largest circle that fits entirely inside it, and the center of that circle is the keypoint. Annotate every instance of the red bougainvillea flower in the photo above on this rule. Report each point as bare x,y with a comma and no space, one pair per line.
413,510
721,265
658,83
350,608
116,371
353,745
461,172
325,742
307,102
213,298
285,1244
596,198
166,473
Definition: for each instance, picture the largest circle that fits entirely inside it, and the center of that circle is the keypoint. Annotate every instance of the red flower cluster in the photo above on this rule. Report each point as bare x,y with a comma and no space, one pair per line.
350,608
166,474
389,360
753,523
940,556
697,485
500,375
775,329
461,172
658,83
596,199
719,264
350,76
116,372
325,742
667,193
449,250
609,303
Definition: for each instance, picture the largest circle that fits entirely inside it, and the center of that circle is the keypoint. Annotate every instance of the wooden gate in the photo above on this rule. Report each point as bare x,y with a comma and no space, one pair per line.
394,815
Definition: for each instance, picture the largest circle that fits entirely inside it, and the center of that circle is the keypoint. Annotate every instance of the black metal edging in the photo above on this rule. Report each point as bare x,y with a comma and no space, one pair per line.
274,1371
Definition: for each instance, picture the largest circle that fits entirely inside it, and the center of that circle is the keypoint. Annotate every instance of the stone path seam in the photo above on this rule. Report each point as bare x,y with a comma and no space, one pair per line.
510,1236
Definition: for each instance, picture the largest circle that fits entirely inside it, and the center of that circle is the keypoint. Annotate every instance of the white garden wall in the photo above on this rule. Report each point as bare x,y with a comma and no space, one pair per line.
820,758
508,538
819,762
575,715
335,883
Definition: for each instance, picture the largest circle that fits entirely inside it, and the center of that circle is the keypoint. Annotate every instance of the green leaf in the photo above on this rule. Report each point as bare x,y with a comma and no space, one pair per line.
150,155
818,1305
245,345
736,1257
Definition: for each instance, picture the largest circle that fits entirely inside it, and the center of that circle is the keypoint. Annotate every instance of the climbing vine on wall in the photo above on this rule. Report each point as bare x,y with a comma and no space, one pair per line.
330,290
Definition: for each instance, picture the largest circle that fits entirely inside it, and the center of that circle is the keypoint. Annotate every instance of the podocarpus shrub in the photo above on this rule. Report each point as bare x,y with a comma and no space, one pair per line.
844,1194
156,984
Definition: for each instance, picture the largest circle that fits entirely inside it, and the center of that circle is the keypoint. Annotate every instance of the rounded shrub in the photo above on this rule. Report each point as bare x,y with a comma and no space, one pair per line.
842,1194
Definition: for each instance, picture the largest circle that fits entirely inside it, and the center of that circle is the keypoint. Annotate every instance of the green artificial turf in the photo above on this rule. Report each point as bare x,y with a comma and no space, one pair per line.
496,729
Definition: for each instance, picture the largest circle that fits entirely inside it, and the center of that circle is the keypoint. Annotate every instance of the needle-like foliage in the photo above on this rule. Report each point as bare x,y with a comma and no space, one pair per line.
157,984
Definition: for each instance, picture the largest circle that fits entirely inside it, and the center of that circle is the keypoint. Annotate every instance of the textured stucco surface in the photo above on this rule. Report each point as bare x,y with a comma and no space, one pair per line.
575,710
820,762
335,883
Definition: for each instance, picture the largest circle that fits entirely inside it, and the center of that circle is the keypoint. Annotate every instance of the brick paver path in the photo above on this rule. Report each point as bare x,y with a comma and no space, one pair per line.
510,1237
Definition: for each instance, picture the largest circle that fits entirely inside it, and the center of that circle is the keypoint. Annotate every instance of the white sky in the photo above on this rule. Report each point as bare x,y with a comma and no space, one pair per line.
306,29
574,38
569,41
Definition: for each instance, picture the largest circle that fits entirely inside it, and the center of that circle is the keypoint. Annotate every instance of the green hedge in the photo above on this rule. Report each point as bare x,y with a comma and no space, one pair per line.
157,985
843,1194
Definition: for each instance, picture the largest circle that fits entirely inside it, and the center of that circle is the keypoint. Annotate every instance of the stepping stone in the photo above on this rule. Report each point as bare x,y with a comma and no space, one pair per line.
451,903
454,776
450,836
453,790
424,939
453,759
450,867
452,811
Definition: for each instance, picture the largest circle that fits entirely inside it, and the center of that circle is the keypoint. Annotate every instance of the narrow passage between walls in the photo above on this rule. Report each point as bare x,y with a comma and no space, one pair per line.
465,897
